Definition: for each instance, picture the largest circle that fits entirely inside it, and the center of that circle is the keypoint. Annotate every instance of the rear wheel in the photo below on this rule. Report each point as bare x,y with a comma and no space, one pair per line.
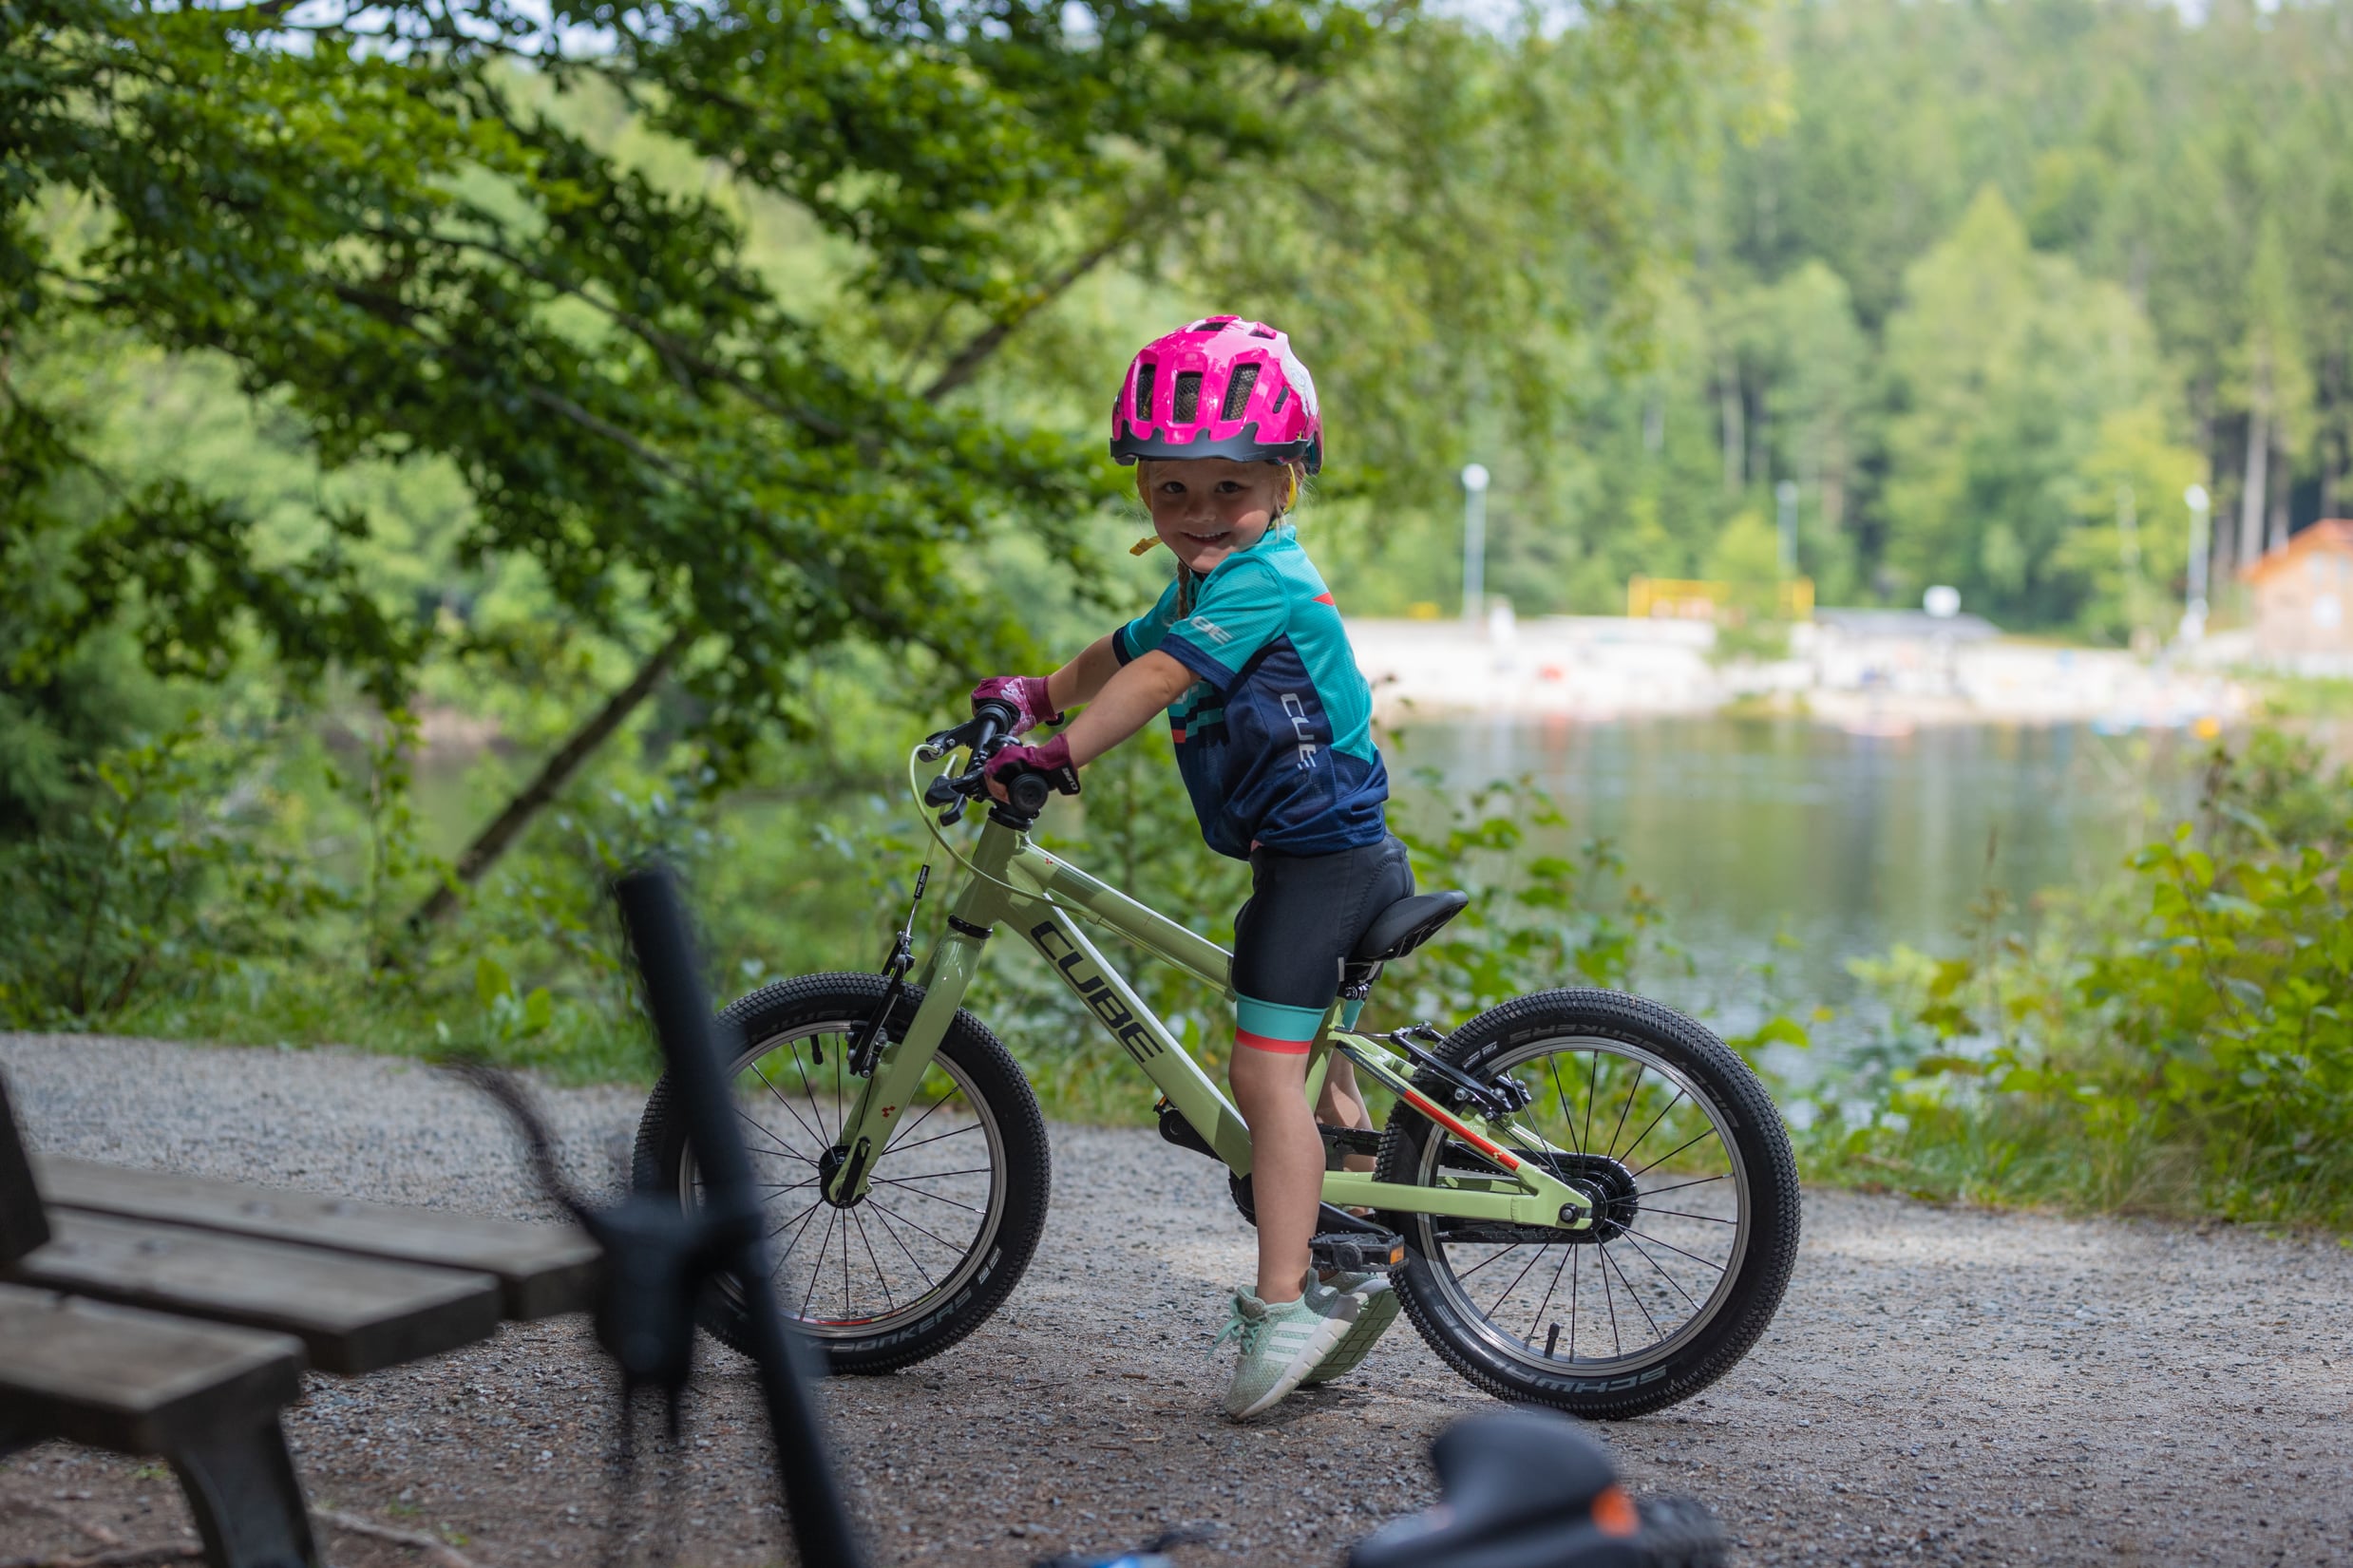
1691,1172
956,1203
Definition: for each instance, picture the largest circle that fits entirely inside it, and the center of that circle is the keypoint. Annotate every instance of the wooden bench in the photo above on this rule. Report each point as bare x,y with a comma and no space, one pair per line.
158,1314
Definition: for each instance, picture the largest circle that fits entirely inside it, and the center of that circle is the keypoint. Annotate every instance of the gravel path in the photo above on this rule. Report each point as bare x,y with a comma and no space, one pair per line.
1940,1386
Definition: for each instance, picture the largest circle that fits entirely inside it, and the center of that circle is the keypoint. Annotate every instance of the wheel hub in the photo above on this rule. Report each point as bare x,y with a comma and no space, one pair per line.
828,1165
1617,1199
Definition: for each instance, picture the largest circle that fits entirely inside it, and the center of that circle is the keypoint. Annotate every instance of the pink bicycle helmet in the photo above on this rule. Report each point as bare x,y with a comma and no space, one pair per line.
1221,387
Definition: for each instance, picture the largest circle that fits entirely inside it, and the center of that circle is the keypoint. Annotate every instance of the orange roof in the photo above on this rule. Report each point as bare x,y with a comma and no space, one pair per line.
2334,535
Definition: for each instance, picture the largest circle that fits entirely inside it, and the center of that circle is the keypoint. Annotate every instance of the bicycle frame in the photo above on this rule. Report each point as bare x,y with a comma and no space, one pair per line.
1012,882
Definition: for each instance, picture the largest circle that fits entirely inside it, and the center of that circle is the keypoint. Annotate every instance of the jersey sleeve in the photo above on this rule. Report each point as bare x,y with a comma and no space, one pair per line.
1142,634
1239,610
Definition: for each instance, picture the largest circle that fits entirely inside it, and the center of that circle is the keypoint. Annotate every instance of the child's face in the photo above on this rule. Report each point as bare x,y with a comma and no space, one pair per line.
1206,508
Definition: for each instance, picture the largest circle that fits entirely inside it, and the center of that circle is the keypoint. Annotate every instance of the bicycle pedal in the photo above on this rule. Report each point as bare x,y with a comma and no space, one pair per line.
1358,1252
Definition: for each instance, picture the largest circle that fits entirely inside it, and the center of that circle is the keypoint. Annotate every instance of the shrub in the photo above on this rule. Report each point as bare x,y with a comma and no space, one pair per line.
2183,1042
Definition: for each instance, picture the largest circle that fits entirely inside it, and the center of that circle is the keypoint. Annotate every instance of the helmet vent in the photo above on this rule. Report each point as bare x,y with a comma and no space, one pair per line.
1144,392
1238,392
1263,332
1283,395
1188,397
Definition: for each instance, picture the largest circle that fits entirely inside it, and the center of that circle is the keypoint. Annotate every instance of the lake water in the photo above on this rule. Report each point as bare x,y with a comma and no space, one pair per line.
1749,829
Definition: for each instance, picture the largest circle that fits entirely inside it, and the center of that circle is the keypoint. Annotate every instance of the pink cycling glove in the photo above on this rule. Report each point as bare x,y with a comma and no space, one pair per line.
1027,695
1053,759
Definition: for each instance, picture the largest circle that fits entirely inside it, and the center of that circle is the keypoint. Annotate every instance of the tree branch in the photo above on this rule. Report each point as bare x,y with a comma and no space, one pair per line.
493,841
968,359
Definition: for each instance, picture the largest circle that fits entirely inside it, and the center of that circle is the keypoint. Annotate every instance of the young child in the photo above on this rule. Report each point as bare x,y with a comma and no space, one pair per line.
1271,719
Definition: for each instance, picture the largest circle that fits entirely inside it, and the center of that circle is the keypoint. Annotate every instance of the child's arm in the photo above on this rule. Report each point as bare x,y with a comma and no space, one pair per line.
1081,680
1123,698
1125,702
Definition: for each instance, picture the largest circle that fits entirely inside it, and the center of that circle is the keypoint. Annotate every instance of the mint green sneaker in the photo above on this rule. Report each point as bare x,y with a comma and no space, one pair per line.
1280,1344
1377,1307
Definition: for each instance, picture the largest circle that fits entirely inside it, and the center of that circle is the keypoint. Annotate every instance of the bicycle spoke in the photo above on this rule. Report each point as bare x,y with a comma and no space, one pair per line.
1612,1263
1672,1248
913,1226
910,1127
818,1272
784,1258
1663,1274
782,1147
781,1229
1489,1258
933,1196
1576,1259
794,1186
1616,1346
789,1106
809,1088
1547,1300
938,1175
1680,1185
1680,1214
1515,1282
1654,1123
1593,1083
1642,1070
888,1304
1710,1132
1552,1064
955,1132
883,1218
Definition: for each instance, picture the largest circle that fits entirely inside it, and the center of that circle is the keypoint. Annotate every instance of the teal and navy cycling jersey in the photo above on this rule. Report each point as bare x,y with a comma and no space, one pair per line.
1274,738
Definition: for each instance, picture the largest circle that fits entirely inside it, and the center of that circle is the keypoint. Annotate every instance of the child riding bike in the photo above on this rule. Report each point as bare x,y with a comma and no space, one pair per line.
1272,723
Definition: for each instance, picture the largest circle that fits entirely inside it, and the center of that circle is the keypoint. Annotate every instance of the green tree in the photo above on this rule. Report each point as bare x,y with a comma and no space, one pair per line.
2002,365
380,218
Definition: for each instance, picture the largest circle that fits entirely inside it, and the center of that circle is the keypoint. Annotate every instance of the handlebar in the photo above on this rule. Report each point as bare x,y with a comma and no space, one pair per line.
980,737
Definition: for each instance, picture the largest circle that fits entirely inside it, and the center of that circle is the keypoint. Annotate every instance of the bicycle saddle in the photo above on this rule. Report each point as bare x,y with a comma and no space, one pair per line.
1522,1489
1406,925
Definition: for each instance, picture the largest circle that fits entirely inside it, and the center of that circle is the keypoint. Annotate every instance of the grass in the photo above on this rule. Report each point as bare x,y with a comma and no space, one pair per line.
2303,696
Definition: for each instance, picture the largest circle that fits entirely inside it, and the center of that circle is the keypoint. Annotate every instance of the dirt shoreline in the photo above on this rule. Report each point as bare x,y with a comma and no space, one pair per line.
1942,1386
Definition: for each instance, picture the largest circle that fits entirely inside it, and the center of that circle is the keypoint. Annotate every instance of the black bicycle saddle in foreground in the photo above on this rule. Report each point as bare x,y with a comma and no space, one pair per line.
1529,1489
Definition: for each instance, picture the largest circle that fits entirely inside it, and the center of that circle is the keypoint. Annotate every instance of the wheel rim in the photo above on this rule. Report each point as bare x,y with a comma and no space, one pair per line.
932,1211
1631,1123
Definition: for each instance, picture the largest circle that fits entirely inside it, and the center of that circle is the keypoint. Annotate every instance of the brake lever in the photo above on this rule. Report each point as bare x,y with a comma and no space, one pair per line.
939,744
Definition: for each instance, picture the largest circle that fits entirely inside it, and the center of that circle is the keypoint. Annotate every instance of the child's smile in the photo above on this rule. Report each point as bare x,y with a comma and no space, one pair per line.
1204,509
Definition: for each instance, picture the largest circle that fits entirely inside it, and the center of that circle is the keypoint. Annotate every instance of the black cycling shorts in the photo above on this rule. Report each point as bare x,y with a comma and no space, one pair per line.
1305,915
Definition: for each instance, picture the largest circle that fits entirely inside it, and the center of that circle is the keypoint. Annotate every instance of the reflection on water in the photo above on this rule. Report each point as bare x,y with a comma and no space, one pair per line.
1848,843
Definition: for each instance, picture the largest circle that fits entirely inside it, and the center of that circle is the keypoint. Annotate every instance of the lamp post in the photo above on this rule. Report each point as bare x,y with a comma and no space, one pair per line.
1474,540
2193,612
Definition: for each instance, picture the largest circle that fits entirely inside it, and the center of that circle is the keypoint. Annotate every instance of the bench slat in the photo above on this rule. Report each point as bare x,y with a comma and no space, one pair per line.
541,1269
354,1315
135,1382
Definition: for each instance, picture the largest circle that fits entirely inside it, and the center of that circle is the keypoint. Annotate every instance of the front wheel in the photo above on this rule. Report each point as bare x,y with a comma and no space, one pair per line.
956,1199
1692,1176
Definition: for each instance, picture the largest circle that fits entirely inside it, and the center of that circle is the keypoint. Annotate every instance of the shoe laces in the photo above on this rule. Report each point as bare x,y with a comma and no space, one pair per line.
1239,1326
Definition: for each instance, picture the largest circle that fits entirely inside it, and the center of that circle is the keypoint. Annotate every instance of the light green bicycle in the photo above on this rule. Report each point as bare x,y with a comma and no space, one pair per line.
1585,1199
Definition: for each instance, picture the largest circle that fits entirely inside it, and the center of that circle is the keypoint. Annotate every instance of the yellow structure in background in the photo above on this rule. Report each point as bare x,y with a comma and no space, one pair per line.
1690,599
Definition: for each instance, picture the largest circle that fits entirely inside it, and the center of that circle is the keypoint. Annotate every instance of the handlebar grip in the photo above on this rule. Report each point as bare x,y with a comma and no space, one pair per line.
1028,793
993,719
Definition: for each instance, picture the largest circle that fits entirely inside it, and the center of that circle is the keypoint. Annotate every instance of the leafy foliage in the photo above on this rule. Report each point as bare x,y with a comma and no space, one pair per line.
2182,1046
